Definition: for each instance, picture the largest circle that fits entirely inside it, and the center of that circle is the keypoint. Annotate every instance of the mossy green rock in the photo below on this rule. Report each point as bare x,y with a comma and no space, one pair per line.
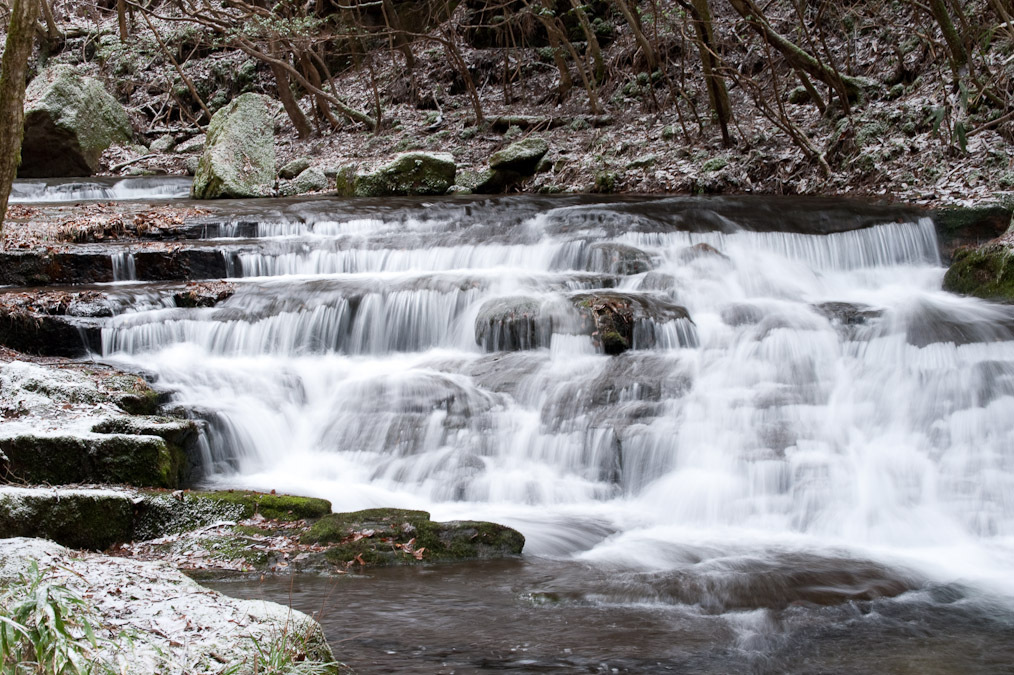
106,458
239,158
411,173
70,119
522,157
91,519
309,180
163,513
294,168
985,272
398,536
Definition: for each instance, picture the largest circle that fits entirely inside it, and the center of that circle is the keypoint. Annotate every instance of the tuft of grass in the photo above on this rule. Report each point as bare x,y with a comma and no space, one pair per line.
46,629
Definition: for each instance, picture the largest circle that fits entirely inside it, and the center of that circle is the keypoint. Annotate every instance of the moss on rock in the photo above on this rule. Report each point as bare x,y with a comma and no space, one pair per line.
398,536
985,272
70,120
521,157
411,173
90,519
114,458
239,159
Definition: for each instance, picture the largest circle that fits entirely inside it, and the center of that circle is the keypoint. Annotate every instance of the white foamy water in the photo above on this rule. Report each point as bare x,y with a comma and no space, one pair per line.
825,396
94,189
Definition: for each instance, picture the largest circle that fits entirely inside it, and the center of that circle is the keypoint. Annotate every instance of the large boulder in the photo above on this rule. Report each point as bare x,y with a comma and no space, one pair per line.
148,617
239,158
92,519
522,157
70,119
410,173
984,272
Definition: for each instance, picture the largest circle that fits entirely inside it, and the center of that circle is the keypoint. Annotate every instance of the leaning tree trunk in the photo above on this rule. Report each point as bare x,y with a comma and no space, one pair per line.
718,95
18,48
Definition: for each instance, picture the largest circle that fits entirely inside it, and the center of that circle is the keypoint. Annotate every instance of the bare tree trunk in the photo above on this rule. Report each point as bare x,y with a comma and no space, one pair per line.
121,19
292,108
959,57
795,55
642,40
13,70
594,49
718,95
53,34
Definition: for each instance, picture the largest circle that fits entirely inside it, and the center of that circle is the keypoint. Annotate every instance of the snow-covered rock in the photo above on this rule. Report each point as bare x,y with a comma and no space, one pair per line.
174,624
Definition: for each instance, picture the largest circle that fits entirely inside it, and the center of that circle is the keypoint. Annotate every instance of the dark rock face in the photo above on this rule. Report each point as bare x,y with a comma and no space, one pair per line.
621,321
958,228
39,269
985,272
617,259
46,335
69,120
615,321
847,313
511,324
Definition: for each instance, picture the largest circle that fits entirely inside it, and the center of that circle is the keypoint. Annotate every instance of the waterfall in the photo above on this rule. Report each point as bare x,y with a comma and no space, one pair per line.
780,390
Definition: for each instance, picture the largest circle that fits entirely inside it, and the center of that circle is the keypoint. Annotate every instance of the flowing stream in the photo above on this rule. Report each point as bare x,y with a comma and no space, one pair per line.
804,464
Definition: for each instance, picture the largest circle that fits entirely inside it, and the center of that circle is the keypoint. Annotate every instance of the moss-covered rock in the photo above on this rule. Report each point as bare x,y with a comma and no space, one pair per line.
163,513
309,180
521,157
984,272
77,518
70,119
93,458
411,173
960,227
398,536
90,519
239,159
294,168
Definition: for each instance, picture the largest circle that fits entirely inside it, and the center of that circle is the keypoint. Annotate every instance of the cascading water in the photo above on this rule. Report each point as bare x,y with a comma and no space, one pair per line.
821,399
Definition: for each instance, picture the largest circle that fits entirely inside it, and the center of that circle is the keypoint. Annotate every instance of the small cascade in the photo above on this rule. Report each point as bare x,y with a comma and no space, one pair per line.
124,268
100,189
645,383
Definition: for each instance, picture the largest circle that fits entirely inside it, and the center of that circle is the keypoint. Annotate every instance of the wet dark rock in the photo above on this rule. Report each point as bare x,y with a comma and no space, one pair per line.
985,272
81,519
781,581
48,335
39,269
701,250
959,228
512,323
621,321
204,294
741,314
179,265
847,313
398,536
70,119
616,259
657,281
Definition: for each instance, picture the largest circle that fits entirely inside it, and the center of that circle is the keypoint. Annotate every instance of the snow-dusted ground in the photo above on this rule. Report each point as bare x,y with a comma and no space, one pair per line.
159,620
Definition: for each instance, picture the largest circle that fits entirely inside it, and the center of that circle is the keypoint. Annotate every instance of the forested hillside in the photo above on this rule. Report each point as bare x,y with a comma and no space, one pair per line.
909,99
